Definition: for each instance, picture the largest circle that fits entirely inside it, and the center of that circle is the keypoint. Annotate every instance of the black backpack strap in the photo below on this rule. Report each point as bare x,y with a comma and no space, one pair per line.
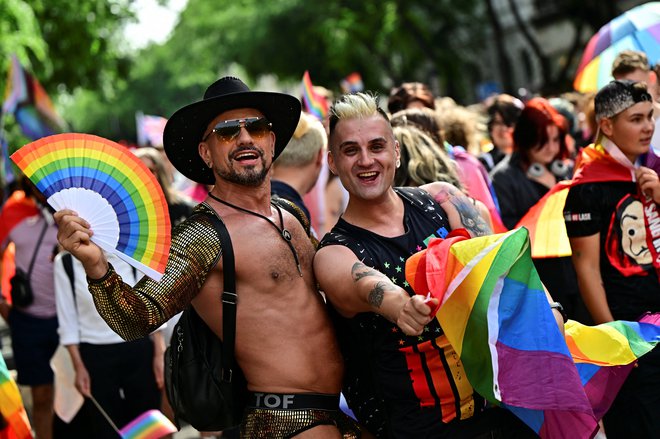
36,249
229,297
67,262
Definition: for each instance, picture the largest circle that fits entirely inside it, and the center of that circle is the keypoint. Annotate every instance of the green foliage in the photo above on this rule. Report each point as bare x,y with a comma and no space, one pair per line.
76,45
67,45
20,32
84,41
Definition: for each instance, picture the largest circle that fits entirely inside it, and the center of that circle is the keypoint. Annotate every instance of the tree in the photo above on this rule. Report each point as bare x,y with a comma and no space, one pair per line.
589,15
66,45
387,41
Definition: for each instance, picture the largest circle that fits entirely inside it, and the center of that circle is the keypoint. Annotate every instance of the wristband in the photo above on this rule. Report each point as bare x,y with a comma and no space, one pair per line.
558,307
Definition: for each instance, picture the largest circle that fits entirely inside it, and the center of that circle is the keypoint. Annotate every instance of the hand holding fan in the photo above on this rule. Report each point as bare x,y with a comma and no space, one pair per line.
107,186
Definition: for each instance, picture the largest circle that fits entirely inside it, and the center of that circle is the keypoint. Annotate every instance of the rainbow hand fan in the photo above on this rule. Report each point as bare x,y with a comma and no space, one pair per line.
107,186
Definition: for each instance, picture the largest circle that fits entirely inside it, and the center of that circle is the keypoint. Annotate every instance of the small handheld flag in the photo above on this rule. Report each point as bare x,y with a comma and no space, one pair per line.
352,83
11,405
27,100
151,424
150,129
315,104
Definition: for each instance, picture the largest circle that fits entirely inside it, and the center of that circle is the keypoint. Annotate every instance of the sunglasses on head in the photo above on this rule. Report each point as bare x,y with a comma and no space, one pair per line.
228,130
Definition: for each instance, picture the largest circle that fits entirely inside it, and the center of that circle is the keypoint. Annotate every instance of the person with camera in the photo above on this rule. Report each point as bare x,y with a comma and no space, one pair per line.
27,222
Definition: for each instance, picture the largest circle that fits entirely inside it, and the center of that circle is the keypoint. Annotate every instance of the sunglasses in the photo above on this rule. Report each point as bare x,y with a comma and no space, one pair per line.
228,130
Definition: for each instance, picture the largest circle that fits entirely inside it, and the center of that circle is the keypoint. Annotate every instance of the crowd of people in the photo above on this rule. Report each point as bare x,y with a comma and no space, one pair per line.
328,312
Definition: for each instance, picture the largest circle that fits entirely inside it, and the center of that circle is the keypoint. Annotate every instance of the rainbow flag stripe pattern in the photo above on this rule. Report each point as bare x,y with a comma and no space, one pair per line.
352,83
495,313
545,222
107,186
316,105
614,344
11,405
28,101
151,424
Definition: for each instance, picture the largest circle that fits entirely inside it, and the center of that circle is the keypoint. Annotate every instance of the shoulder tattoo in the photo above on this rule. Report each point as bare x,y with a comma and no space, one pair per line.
470,217
446,192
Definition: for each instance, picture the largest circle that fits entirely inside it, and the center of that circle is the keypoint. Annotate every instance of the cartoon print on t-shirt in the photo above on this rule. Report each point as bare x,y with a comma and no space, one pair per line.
633,233
626,244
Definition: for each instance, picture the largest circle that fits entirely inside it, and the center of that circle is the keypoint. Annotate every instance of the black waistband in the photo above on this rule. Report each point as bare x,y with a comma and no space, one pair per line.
293,401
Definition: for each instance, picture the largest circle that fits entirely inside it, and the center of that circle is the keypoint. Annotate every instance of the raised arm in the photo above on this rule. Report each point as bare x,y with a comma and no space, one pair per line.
353,287
74,234
461,210
134,312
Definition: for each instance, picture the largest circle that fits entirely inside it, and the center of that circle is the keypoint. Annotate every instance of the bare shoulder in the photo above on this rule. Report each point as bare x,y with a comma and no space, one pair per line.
442,191
462,211
331,258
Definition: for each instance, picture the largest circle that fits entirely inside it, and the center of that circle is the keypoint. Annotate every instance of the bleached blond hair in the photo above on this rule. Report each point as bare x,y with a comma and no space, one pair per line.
354,106
303,148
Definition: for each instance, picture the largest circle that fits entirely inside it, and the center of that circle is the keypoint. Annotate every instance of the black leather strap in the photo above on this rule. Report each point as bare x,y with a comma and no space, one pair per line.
67,262
229,299
36,248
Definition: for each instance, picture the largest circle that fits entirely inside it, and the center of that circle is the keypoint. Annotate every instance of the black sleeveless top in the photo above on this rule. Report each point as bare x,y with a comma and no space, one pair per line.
399,385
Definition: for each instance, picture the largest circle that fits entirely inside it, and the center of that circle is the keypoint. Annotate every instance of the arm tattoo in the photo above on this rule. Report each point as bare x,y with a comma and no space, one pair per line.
360,270
375,297
470,217
376,294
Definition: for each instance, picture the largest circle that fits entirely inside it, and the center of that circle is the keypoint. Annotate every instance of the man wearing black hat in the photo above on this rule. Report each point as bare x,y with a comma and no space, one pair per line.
284,342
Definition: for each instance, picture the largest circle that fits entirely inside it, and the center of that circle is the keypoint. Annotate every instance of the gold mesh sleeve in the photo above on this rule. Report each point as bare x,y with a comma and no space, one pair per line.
135,312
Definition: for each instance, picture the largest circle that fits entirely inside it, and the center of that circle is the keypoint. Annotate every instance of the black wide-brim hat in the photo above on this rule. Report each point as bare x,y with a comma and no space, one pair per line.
184,130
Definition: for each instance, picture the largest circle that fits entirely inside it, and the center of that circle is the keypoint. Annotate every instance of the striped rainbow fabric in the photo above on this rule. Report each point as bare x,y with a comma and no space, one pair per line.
315,104
614,344
151,424
495,313
545,222
11,405
27,100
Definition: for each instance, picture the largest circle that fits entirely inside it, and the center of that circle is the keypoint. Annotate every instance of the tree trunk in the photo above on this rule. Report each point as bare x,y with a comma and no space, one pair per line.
503,61
546,73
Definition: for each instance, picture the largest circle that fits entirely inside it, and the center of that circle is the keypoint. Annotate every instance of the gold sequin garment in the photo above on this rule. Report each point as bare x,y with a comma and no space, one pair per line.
261,423
135,312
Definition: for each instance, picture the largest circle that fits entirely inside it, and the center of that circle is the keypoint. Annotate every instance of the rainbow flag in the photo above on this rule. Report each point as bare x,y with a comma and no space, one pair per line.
27,100
545,222
151,424
495,313
11,405
150,129
615,344
315,104
352,83
7,171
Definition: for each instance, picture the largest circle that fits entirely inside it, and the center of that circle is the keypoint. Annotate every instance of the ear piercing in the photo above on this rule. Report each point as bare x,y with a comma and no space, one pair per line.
398,163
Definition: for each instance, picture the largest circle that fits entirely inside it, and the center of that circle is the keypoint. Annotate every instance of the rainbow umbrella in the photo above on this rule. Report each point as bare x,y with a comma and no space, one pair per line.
636,29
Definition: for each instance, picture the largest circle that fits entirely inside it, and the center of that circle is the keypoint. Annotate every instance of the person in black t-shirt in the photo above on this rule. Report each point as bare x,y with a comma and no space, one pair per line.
609,213
403,379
